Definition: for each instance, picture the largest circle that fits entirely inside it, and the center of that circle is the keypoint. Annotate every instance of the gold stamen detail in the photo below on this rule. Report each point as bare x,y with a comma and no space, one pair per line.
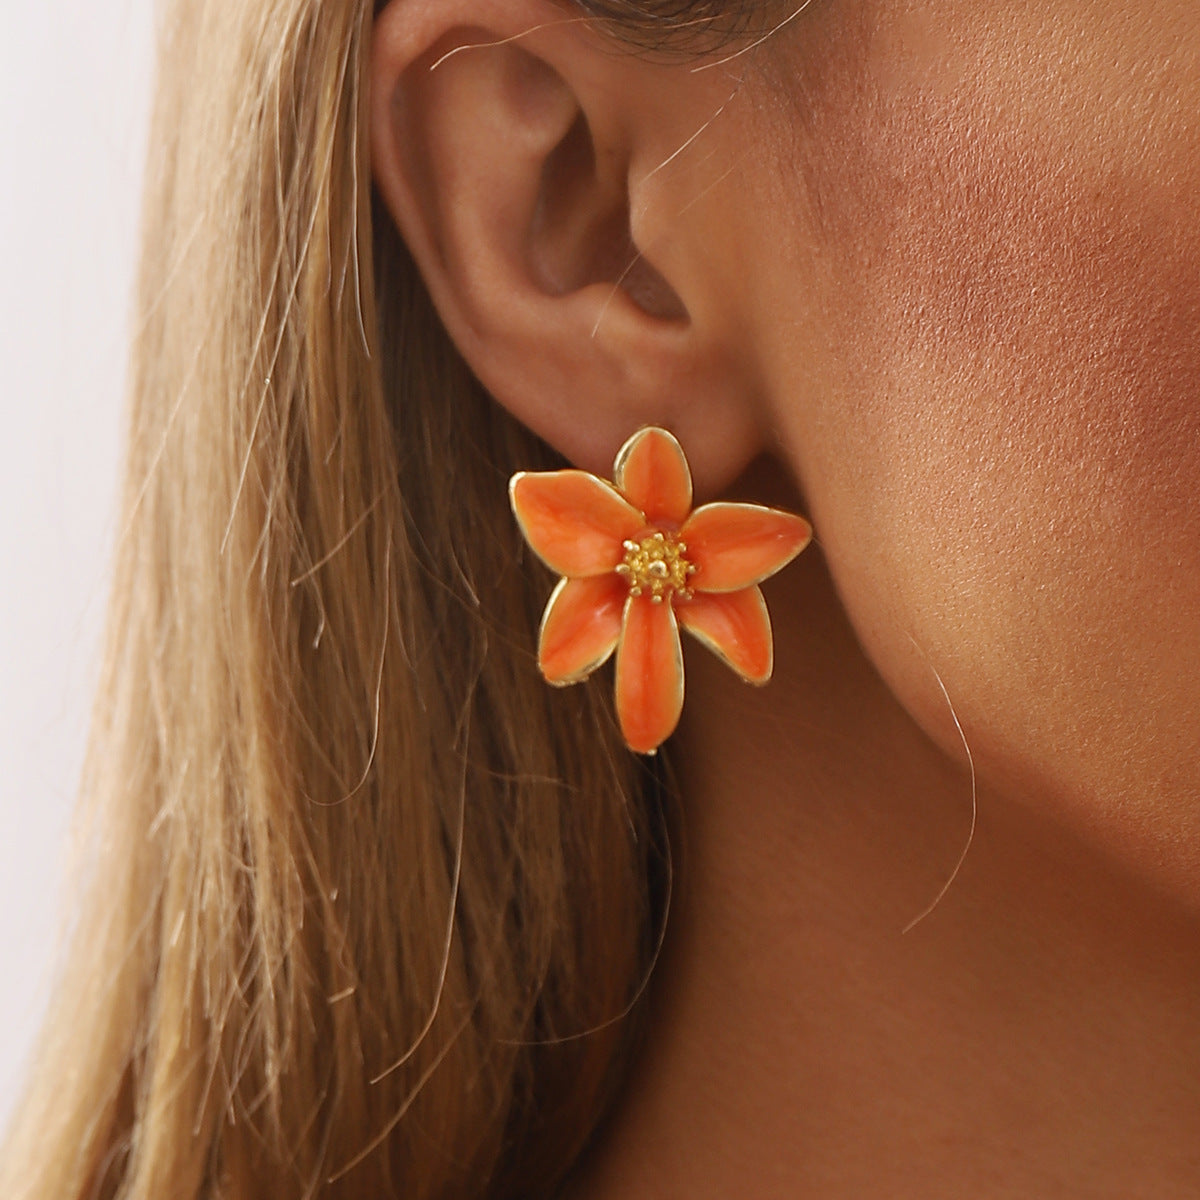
654,564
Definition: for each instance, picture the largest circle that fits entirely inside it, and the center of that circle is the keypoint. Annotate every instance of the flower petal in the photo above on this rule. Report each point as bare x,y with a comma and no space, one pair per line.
649,674
733,546
580,627
574,521
734,626
652,473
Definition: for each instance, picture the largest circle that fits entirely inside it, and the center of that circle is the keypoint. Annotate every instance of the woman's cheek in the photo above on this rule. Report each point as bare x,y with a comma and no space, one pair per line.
1005,459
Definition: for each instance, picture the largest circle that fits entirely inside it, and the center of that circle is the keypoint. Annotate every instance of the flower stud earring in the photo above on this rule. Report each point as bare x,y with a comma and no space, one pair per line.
637,564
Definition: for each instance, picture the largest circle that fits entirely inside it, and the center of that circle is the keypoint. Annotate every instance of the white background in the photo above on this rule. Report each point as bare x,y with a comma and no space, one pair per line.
74,100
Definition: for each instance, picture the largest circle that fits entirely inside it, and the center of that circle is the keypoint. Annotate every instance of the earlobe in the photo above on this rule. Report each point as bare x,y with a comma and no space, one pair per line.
504,150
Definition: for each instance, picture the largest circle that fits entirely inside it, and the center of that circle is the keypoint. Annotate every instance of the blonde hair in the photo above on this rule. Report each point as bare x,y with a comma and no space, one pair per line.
369,907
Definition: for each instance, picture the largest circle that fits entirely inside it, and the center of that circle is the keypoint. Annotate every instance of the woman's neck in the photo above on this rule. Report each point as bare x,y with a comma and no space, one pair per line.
1036,1033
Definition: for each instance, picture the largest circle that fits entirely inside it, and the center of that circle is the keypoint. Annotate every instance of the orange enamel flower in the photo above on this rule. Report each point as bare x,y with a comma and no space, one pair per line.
637,564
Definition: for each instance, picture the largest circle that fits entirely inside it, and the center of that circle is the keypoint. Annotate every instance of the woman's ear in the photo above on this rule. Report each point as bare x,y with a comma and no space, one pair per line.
540,175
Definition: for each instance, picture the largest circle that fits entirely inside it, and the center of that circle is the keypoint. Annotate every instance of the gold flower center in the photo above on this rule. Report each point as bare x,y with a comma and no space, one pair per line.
654,565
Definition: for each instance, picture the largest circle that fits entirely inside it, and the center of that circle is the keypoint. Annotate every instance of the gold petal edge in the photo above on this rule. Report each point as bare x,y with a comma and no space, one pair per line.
584,671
